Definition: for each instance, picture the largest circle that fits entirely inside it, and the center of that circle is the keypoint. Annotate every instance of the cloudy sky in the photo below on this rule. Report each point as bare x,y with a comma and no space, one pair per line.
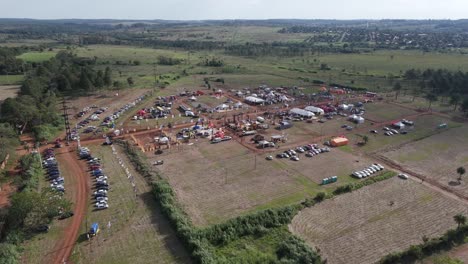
235,9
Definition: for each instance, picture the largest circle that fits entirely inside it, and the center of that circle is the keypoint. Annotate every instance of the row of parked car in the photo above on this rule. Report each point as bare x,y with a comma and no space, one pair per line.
368,171
53,171
101,184
110,119
310,150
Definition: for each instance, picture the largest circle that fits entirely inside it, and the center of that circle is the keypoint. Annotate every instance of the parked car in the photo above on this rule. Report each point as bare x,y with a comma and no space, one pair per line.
403,176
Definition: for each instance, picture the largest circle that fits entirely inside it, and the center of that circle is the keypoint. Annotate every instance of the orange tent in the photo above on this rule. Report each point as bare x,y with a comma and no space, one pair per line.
339,141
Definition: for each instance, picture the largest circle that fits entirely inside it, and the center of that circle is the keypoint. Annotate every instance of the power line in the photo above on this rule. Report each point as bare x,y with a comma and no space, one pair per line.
65,115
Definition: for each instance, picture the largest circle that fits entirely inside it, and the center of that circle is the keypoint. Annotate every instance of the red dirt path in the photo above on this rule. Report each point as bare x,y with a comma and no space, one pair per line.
63,248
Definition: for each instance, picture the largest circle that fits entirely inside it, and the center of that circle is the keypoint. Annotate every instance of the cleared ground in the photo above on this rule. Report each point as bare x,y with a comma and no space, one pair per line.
365,225
437,157
215,182
138,232
8,91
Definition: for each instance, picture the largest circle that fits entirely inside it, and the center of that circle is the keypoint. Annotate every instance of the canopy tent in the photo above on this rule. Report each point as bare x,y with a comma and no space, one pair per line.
254,100
301,112
315,110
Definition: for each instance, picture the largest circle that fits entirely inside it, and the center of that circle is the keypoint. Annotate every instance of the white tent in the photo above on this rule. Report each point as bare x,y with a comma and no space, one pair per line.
315,110
254,100
222,107
301,112
238,105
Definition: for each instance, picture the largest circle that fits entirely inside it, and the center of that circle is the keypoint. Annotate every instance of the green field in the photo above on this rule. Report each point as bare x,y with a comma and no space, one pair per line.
10,79
370,70
37,56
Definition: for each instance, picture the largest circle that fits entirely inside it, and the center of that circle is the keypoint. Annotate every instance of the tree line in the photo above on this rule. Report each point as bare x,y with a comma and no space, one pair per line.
35,108
435,83
32,208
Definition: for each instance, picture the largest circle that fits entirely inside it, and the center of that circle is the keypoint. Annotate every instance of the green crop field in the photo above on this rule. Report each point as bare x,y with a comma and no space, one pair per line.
37,56
10,79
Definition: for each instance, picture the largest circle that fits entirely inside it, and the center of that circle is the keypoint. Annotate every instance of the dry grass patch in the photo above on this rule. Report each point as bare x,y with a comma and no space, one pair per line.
365,225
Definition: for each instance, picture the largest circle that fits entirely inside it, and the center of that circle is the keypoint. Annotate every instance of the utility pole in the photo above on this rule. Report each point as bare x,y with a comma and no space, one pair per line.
65,115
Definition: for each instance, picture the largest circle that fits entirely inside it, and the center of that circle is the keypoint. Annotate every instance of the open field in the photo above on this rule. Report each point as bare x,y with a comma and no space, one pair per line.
232,181
138,232
368,70
365,225
381,112
425,126
437,157
8,91
11,79
37,56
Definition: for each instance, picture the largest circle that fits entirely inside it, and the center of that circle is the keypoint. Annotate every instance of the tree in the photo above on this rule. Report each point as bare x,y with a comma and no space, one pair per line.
366,139
397,88
130,81
455,100
431,97
108,77
460,219
464,105
85,83
99,81
460,171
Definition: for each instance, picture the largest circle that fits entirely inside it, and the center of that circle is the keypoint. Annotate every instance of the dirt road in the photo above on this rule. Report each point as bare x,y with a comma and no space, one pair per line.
77,169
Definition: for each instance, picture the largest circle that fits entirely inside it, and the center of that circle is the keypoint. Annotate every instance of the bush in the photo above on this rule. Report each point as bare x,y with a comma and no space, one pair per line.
295,250
446,242
9,254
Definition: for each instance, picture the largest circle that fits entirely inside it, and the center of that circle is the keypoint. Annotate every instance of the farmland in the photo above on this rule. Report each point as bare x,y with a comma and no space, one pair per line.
365,225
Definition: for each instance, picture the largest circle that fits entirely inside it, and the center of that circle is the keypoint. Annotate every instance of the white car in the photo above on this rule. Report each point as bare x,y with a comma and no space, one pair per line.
386,128
379,165
300,150
403,176
100,191
102,206
269,157
295,158
100,178
102,199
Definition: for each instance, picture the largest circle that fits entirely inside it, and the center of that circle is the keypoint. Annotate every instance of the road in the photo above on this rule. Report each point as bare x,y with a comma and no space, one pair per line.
76,169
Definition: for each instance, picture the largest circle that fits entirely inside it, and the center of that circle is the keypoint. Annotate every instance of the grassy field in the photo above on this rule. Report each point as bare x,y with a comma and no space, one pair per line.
10,79
138,233
37,56
437,157
425,126
365,225
368,70
254,248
